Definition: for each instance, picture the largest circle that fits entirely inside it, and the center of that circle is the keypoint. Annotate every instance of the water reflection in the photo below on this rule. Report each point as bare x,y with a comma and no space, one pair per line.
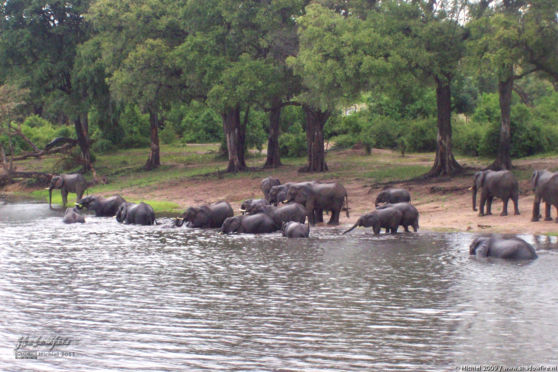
140,298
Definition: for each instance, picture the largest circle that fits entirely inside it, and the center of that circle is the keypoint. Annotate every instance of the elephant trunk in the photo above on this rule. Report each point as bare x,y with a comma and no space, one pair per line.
352,228
50,197
178,222
475,197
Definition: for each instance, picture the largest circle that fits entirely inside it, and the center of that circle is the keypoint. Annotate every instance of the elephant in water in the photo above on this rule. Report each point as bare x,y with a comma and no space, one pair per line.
67,183
393,196
250,205
388,218
499,184
102,207
317,197
139,214
545,184
410,214
259,223
72,216
266,185
286,213
498,247
295,229
206,216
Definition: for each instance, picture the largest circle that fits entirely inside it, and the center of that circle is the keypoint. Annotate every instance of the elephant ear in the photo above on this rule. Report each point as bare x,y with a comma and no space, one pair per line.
535,178
235,225
479,247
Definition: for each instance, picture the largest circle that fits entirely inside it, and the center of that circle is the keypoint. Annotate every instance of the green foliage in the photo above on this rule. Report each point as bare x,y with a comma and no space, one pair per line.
195,123
168,135
103,145
293,143
136,127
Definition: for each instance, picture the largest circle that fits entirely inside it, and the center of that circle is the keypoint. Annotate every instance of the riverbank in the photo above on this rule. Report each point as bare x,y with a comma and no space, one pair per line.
190,175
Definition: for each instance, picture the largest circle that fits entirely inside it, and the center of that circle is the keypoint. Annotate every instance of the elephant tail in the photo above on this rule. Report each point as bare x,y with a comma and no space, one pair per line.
346,208
351,229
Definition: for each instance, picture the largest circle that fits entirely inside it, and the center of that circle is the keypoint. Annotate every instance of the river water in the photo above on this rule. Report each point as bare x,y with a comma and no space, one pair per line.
159,298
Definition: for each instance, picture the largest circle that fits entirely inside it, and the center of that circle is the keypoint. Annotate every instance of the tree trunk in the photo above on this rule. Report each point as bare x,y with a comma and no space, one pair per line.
81,126
315,121
235,138
444,163
503,158
154,160
273,156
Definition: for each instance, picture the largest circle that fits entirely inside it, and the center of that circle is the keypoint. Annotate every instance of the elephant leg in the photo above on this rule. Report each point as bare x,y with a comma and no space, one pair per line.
516,204
406,228
547,212
319,213
394,228
505,207
482,203
64,197
536,209
334,220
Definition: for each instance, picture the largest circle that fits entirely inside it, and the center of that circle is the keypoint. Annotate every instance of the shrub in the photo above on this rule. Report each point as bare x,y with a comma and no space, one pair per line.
293,143
168,135
420,135
103,145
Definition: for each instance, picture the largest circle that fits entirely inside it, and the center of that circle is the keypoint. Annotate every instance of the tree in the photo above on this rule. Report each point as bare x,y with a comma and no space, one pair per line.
431,40
514,38
38,41
11,99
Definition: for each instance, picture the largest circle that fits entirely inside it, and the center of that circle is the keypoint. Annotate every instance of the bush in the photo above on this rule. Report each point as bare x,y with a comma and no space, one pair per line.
467,137
420,135
103,145
168,135
293,143
136,127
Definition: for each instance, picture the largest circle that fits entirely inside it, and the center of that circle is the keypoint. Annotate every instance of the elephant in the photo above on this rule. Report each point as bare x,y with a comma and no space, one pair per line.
67,183
498,247
500,184
266,185
410,214
388,218
102,207
249,205
393,196
317,197
294,229
545,184
259,223
139,214
286,213
72,216
206,216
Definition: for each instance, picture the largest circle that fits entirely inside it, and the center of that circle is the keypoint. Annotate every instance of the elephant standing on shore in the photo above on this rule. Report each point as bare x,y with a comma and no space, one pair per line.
206,216
295,230
498,247
72,216
102,207
500,184
317,197
545,184
409,214
67,183
266,185
286,213
278,193
393,196
139,214
387,218
259,223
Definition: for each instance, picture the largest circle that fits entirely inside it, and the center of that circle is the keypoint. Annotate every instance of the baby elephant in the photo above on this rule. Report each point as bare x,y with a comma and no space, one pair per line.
508,248
72,216
410,214
393,196
295,230
388,218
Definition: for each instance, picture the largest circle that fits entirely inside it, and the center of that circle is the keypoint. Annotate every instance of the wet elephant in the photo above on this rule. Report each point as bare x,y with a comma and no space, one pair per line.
409,214
295,230
103,207
139,214
545,184
251,205
393,196
259,223
67,183
387,218
317,197
72,216
498,247
266,185
206,216
285,213
499,184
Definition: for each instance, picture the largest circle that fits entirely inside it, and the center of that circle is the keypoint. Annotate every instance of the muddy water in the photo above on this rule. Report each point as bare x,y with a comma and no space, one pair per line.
157,298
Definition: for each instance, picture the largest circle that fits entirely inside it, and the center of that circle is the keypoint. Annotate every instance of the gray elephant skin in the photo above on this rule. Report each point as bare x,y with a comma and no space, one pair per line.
67,183
317,197
393,196
72,216
387,218
498,247
278,193
545,184
499,184
286,213
409,215
251,205
259,223
103,207
295,230
206,216
266,185
139,214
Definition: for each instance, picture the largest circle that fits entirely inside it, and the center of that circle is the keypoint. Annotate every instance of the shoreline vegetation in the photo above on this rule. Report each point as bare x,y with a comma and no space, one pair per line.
193,174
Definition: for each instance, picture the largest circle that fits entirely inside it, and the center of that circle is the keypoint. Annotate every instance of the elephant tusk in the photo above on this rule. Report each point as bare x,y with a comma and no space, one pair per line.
285,201
242,210
470,188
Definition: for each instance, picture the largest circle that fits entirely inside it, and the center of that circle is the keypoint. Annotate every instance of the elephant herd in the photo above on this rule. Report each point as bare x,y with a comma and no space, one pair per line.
303,204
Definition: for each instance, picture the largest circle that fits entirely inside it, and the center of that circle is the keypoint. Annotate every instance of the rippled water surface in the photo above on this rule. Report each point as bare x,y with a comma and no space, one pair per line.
158,298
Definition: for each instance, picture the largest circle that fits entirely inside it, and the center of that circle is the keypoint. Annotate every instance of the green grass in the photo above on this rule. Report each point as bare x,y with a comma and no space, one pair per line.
394,173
